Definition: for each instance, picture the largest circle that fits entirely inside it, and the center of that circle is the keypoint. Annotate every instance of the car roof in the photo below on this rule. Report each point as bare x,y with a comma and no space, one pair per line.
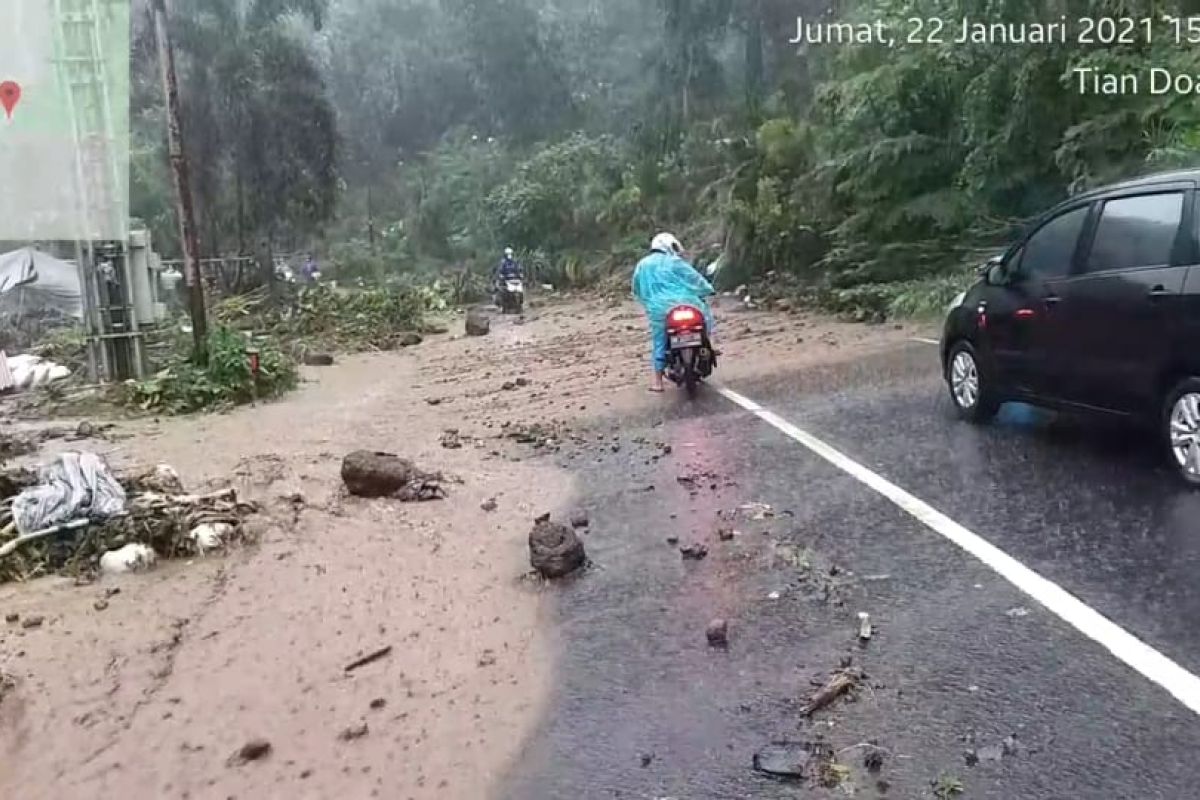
1174,176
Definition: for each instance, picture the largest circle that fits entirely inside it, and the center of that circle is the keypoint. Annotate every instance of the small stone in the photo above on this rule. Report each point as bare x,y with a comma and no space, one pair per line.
32,622
487,659
12,618
873,758
357,731
508,386
672,540
694,552
410,339
378,703
579,519
489,505
318,360
725,534
522,382
100,605
253,750
718,633
784,760
647,759
433,401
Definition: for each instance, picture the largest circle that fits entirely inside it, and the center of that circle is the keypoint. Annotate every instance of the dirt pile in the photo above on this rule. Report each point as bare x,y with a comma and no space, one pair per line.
555,551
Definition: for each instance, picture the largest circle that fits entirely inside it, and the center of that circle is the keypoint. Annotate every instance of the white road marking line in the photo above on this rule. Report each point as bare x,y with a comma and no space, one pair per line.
1143,658
923,340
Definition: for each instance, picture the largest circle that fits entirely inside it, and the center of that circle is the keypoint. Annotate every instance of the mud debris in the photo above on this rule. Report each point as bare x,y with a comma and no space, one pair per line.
353,732
717,633
253,750
318,360
555,551
874,758
478,323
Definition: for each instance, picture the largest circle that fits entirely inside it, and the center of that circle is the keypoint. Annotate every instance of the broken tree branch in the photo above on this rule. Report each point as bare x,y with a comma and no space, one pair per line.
837,686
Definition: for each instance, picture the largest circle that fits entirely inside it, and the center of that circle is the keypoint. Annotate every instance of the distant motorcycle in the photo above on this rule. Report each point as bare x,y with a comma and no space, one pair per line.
690,356
511,296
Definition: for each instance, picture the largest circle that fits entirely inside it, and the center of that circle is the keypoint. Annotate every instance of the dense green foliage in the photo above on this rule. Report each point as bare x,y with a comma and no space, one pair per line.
865,177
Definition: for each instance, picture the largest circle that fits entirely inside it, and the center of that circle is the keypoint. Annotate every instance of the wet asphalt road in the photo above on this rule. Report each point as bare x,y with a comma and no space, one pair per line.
960,661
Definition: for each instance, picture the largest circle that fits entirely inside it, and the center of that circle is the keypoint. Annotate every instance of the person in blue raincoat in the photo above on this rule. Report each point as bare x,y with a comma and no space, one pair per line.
661,281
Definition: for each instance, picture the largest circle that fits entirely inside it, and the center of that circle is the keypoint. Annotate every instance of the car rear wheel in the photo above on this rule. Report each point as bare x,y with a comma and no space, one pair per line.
1181,421
971,388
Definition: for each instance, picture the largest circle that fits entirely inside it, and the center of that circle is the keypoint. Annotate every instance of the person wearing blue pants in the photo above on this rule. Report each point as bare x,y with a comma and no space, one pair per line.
661,281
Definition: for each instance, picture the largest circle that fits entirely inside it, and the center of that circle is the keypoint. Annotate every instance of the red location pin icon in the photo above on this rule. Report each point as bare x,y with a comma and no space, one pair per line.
10,95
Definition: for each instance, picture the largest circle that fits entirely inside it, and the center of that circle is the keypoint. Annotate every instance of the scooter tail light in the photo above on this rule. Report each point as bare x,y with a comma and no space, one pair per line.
681,317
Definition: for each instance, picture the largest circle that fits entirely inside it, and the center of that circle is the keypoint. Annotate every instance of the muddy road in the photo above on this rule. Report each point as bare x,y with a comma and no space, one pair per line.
605,685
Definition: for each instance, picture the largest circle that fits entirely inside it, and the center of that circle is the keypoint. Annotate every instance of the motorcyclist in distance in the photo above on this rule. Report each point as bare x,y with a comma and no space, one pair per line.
509,269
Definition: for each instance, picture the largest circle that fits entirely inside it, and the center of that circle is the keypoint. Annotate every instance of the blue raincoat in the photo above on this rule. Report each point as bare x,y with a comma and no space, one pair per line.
662,282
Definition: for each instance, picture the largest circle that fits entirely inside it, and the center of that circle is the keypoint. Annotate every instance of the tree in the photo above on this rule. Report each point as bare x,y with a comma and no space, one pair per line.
265,143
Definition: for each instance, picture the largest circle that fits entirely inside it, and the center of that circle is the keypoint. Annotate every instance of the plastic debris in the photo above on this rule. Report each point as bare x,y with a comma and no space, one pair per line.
864,626
29,371
130,558
210,536
73,486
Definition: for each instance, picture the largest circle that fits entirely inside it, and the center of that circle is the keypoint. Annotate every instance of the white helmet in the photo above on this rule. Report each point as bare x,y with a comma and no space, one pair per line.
666,243
508,252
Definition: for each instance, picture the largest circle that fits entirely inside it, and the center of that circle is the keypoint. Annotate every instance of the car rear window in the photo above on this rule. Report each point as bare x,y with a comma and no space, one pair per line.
1136,232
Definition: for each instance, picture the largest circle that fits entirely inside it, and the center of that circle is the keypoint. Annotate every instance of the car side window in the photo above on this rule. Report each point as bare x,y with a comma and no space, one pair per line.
1050,251
1136,232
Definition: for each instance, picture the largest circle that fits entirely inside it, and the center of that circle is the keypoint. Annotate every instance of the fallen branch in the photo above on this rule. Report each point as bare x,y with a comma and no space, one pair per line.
837,686
370,658
10,547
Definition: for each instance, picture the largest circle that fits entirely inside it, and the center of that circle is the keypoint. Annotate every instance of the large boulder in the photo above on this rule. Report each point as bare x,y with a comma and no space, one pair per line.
554,549
369,474
478,323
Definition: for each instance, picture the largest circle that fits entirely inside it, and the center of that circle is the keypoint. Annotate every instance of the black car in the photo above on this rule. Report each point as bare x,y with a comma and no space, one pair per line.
1095,308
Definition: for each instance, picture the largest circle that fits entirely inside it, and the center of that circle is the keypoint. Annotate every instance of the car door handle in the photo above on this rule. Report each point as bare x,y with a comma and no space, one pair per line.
1158,292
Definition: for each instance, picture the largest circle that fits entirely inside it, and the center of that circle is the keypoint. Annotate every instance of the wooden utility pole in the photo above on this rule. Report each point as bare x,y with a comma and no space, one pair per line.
183,187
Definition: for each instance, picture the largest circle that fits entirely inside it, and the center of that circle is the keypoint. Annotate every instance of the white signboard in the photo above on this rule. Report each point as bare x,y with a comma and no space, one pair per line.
64,120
